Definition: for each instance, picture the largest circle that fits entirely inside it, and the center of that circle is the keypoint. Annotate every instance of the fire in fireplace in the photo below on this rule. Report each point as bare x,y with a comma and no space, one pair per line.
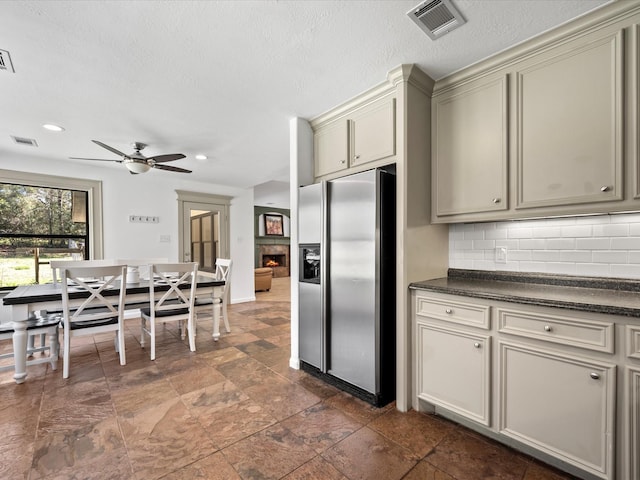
274,261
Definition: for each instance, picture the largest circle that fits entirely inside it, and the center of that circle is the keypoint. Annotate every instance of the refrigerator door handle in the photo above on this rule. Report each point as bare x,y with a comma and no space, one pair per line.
324,276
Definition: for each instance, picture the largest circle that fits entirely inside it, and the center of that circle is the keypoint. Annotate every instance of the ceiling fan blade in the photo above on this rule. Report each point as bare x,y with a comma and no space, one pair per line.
172,169
111,149
170,157
96,159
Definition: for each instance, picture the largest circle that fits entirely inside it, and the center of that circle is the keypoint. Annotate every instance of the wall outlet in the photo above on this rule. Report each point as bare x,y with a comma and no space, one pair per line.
165,238
501,254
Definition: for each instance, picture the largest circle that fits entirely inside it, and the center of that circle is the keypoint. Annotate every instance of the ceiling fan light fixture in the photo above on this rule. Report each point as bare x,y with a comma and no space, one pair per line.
200,156
137,167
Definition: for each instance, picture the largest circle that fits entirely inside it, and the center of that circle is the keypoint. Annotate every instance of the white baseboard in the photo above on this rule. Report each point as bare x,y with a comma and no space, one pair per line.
242,300
294,363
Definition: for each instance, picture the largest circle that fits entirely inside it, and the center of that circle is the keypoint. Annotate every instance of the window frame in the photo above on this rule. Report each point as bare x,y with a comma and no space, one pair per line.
94,197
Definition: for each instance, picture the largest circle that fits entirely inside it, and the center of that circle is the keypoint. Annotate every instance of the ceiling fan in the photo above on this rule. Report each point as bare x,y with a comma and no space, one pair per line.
138,163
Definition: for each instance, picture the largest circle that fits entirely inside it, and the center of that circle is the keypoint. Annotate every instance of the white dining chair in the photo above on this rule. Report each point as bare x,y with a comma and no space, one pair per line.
93,301
223,272
58,265
172,294
38,323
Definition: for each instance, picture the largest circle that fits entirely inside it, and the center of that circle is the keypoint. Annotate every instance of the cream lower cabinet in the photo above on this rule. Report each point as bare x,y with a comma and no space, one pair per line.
562,405
633,450
453,352
454,370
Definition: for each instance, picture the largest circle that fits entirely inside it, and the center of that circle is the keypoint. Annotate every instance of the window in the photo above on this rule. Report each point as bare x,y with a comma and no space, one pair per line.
41,218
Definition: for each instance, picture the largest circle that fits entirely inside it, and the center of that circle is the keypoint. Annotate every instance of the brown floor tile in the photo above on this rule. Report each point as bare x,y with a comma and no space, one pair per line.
426,471
321,426
467,457
536,471
164,438
213,467
135,399
274,452
356,408
95,451
213,398
222,355
228,425
377,457
282,399
415,431
316,469
188,381
247,372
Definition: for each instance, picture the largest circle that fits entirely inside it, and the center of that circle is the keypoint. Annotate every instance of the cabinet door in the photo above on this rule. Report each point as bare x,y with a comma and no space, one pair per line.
373,132
331,148
634,437
453,370
561,405
470,149
569,127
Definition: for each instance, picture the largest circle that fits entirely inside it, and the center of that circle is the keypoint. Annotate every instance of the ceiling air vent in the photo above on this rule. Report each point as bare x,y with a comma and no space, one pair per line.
25,141
436,17
5,62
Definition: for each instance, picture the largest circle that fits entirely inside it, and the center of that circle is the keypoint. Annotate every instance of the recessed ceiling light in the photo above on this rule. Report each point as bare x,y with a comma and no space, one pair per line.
52,127
201,157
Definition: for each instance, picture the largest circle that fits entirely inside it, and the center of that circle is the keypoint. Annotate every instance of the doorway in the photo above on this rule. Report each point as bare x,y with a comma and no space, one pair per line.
204,227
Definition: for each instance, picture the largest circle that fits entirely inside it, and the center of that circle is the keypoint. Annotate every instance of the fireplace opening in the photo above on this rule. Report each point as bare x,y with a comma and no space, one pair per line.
274,261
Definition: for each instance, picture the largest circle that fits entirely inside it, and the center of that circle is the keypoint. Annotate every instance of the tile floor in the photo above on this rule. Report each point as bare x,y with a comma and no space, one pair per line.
232,410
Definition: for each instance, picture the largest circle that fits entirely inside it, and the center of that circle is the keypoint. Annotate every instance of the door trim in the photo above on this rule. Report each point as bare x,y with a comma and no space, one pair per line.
209,201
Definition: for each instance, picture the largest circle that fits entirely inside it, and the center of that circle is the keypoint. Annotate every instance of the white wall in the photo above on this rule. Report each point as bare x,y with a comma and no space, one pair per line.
153,194
599,246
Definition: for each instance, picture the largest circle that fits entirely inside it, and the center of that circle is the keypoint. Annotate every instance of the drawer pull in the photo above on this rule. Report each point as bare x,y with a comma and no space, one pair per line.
448,311
547,328
594,375
477,344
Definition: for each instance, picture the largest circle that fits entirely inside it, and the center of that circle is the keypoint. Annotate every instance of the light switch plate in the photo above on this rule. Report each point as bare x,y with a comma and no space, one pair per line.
501,254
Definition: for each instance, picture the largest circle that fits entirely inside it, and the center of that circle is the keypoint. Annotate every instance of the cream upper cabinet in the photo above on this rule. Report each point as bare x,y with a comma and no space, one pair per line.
470,140
373,132
569,125
560,404
546,128
331,148
364,134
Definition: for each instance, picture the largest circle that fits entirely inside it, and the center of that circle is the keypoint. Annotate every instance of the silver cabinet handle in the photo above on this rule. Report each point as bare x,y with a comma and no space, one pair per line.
605,188
356,157
476,344
342,162
448,311
547,328
496,200
594,375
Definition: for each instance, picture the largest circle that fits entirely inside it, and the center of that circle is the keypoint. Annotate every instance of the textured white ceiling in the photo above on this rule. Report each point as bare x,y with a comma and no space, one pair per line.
222,78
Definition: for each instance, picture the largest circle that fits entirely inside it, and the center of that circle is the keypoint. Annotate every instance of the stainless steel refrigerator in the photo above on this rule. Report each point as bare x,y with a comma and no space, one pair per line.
347,319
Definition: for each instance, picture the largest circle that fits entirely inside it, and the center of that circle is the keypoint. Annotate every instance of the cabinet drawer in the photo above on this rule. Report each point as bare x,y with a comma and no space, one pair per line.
453,311
633,341
562,329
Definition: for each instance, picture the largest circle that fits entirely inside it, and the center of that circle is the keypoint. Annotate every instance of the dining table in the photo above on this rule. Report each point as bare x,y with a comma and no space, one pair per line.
26,299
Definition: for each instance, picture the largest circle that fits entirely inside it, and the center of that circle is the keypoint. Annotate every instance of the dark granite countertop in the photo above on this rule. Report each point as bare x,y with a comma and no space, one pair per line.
589,294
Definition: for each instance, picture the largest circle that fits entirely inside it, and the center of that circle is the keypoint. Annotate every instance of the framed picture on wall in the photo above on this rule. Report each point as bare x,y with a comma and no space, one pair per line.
273,224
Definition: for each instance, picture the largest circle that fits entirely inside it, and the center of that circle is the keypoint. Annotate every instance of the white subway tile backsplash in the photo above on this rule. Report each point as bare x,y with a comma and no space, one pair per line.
627,243
561,244
609,230
532,244
576,231
546,232
593,243
599,245
610,257
483,244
